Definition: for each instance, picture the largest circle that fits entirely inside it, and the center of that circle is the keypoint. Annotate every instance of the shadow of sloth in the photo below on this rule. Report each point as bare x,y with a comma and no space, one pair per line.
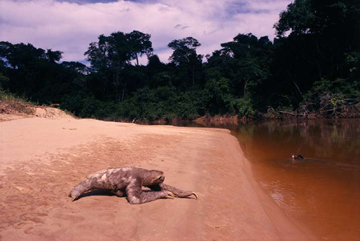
128,182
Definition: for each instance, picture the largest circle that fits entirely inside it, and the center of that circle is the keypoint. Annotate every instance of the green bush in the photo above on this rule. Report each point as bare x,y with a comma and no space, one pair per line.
336,92
242,107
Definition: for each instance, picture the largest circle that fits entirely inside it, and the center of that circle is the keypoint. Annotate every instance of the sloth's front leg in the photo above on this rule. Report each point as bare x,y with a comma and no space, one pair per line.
118,193
135,195
177,192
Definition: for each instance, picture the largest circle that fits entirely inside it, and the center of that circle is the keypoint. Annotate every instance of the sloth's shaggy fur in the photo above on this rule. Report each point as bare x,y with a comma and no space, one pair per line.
128,181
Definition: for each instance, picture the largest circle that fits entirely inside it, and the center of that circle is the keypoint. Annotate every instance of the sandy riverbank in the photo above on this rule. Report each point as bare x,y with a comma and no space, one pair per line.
42,159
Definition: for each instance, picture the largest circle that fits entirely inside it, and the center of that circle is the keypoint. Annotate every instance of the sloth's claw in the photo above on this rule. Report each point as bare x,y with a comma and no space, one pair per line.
170,195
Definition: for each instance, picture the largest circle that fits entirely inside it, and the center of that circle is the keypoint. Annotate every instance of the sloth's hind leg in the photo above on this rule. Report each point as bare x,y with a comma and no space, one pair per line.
80,189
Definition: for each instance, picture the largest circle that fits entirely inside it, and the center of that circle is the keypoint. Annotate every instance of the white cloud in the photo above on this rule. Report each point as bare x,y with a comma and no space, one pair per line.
70,27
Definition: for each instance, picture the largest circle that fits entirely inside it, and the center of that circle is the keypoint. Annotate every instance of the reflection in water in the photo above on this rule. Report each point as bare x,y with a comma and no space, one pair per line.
323,190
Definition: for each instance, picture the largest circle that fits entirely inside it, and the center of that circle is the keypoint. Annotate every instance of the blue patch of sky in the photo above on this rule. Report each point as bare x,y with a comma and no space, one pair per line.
87,1
239,7
180,26
233,8
100,1
85,62
160,49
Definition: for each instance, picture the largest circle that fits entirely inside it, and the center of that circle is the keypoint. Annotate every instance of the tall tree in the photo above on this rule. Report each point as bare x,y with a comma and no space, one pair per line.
316,40
140,44
250,58
331,30
185,55
111,54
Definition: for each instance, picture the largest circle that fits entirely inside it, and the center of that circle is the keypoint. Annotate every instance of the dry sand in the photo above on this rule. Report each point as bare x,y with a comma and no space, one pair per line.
42,159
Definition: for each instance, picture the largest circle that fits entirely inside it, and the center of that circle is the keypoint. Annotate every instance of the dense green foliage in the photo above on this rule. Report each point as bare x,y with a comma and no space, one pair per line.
312,65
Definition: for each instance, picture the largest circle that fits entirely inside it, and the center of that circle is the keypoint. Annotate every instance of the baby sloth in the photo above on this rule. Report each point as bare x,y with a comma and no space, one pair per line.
128,181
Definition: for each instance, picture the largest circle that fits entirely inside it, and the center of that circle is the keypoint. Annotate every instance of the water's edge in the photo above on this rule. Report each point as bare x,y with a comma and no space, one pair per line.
283,223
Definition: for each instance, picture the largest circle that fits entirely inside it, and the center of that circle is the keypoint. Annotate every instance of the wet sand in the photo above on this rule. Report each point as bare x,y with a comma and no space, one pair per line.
42,159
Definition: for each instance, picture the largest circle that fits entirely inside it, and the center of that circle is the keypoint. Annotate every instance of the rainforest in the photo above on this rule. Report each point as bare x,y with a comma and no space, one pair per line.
311,69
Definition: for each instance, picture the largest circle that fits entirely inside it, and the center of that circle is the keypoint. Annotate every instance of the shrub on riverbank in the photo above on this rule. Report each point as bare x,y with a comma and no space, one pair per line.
11,104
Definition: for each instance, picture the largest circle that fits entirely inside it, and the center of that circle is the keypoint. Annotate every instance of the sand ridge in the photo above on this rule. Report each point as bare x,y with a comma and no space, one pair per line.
42,159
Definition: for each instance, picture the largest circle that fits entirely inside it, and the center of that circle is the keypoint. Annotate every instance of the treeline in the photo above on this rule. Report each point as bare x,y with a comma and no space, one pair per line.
312,66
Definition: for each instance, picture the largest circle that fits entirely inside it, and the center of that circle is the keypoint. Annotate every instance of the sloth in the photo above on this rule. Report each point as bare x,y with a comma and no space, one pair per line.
297,157
128,181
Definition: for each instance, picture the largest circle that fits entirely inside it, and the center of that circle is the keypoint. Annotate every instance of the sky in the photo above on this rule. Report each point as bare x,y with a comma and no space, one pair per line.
71,25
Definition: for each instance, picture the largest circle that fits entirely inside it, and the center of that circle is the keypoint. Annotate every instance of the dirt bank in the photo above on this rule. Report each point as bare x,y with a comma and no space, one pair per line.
42,159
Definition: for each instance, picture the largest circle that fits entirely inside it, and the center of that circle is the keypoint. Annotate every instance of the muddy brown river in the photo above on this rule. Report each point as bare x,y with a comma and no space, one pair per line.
323,190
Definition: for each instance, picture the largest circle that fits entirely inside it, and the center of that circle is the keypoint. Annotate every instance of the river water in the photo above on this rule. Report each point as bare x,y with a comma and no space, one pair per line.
323,190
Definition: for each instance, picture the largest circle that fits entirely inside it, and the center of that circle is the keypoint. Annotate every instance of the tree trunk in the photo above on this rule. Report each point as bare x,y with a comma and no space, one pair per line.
123,92
116,83
245,84
193,75
292,80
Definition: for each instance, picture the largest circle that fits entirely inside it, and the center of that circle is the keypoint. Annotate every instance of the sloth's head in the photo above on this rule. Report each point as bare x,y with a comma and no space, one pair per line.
154,177
297,157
